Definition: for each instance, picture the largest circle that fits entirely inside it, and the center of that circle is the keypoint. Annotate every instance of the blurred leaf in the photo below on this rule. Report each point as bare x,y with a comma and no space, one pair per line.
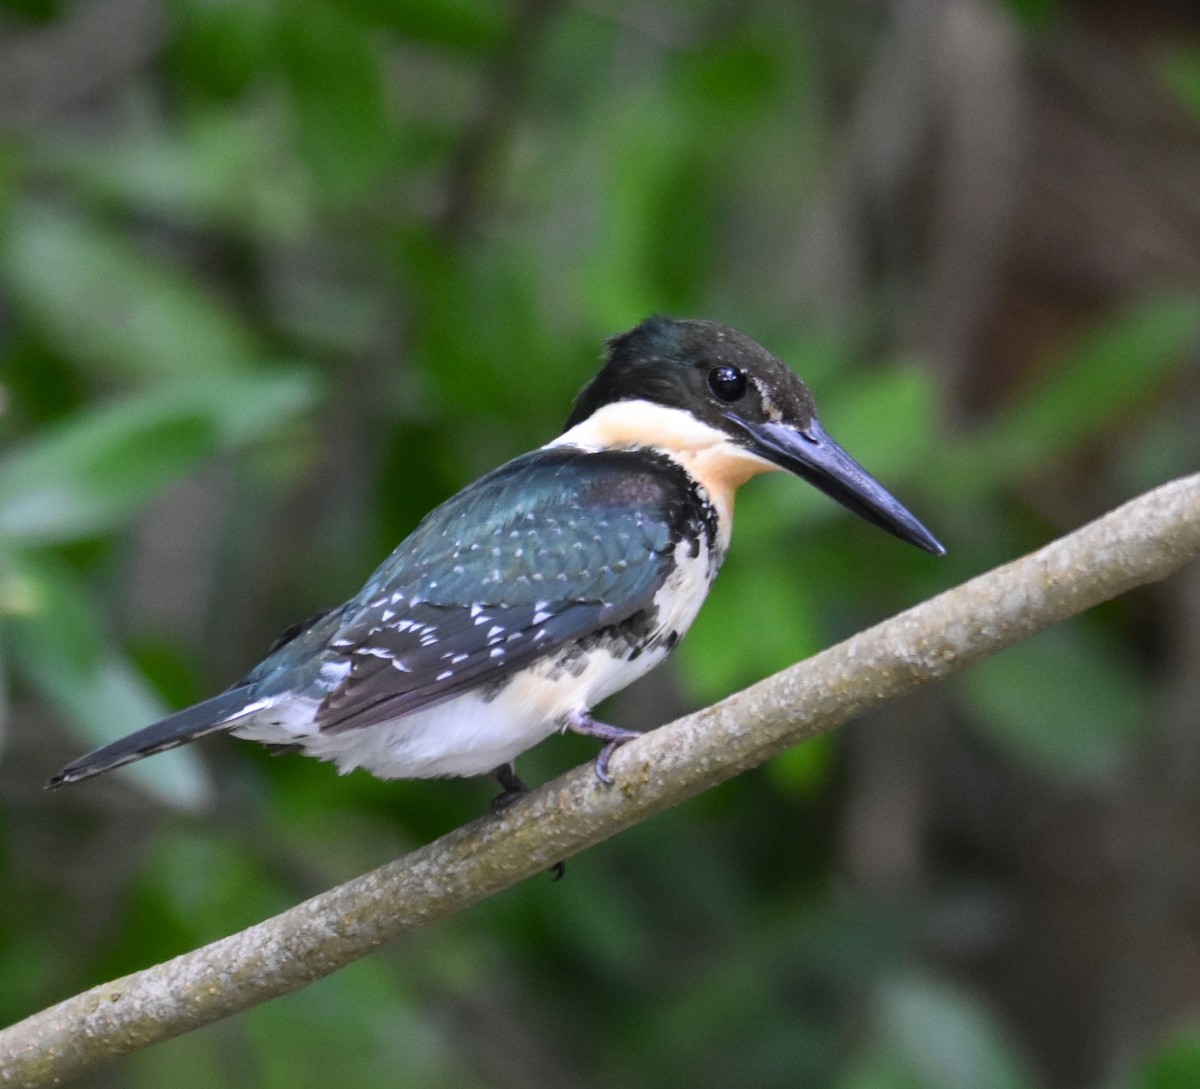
244,407
26,963
18,595
642,147
220,49
758,620
1035,14
61,649
96,469
680,232
737,80
3,688
886,418
804,769
224,171
40,10
1174,1064
1181,73
467,25
209,886
103,303
930,1036
1066,702
337,93
476,366
195,1060
92,473
1119,365
359,1028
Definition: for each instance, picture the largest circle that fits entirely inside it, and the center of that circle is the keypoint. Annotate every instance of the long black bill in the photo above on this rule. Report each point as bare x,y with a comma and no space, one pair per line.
810,453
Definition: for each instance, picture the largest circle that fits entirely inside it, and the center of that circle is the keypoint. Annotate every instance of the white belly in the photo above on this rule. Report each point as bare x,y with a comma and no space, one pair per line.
466,735
474,733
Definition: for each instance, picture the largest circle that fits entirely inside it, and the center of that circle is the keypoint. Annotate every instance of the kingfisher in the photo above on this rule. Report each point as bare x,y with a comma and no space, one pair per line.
548,584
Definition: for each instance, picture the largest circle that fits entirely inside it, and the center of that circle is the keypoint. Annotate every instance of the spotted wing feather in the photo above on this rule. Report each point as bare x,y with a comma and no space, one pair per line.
544,551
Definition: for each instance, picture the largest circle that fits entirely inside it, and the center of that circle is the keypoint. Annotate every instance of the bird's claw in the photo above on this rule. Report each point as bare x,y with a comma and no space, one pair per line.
602,772
514,788
613,737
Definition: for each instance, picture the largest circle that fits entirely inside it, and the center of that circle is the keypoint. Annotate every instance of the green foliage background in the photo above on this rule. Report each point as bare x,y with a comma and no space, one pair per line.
277,277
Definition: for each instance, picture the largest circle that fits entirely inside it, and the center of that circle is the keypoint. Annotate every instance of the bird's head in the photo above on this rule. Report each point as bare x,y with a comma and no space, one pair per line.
728,409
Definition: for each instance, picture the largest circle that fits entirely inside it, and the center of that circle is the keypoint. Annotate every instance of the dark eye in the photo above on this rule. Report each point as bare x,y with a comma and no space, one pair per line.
728,383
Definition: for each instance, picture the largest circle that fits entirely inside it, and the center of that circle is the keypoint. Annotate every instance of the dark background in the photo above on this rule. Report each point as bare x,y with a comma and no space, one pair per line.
277,277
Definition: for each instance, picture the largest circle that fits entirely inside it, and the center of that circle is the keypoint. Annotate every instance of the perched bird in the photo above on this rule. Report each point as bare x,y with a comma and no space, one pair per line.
545,586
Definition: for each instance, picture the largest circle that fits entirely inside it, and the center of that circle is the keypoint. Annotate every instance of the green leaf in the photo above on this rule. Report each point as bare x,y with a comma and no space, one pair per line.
218,170
804,769
245,407
35,10
758,620
220,49
641,148
1117,366
1037,15
1181,74
469,26
60,648
89,475
104,304
96,469
338,102
3,688
931,1036
1067,702
1173,1065
886,418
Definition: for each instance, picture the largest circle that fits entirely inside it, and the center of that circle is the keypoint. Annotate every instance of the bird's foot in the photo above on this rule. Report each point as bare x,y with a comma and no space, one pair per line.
515,789
581,722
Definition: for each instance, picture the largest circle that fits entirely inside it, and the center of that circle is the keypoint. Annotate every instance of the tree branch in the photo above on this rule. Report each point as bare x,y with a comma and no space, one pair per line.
1141,542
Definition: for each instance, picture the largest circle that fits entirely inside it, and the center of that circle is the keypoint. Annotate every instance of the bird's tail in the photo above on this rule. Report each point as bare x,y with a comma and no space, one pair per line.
219,713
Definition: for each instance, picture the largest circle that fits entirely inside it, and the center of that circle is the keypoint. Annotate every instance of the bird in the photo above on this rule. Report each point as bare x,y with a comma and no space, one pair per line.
546,585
